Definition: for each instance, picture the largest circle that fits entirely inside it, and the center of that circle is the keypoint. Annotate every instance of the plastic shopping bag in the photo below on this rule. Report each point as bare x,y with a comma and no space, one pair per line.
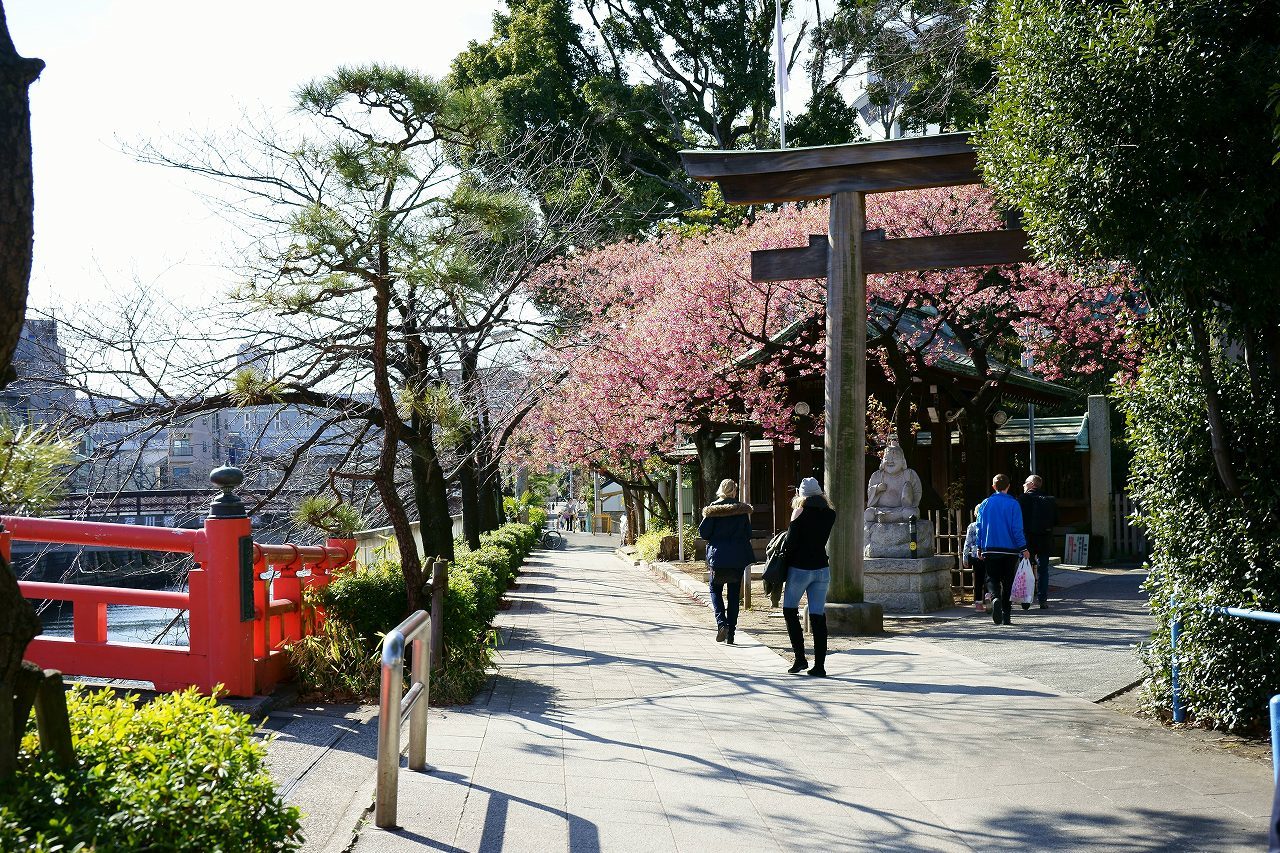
1024,584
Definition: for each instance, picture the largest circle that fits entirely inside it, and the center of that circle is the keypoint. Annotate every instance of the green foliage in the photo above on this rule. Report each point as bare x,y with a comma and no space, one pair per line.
333,516
1106,131
32,460
649,543
1098,133
180,772
714,213
371,600
1207,550
537,517
362,605
437,405
337,662
252,387
542,74
920,67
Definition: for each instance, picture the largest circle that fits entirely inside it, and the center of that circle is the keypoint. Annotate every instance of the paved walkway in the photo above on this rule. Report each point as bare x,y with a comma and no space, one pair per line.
617,723
1082,645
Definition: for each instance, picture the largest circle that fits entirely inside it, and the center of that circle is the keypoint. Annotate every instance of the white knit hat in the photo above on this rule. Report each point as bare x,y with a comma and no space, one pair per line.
809,487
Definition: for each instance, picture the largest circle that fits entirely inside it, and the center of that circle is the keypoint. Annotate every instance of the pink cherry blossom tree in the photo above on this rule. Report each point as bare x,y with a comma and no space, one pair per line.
665,325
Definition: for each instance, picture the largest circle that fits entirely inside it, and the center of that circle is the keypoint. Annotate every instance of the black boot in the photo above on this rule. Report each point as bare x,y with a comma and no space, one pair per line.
791,615
818,624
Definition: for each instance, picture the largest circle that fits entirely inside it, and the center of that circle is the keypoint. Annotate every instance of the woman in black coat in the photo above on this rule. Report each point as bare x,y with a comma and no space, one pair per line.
808,573
726,525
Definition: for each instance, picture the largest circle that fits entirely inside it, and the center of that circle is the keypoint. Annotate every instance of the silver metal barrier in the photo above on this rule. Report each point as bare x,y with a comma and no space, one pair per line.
392,707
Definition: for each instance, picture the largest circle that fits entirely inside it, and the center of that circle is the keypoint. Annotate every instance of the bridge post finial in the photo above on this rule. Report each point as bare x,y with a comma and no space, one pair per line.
227,504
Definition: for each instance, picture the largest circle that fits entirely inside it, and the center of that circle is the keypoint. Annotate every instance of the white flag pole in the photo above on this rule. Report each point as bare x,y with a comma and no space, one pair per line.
780,72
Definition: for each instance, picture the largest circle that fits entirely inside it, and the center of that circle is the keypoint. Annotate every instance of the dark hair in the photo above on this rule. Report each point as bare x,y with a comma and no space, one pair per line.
1001,482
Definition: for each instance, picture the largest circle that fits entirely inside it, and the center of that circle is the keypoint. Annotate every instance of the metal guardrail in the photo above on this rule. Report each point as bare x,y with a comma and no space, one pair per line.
1180,712
393,705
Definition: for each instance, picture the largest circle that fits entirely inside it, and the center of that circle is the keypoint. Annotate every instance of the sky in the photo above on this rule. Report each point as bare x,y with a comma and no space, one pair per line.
122,72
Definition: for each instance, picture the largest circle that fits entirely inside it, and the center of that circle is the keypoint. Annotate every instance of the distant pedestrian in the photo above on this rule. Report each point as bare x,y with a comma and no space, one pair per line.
971,559
1000,540
726,525
566,518
808,573
1039,515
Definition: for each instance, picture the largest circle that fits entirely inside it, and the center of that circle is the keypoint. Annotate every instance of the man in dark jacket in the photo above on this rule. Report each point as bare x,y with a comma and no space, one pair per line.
726,525
1039,515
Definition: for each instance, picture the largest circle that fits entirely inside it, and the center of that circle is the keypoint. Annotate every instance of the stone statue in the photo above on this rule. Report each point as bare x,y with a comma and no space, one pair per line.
894,491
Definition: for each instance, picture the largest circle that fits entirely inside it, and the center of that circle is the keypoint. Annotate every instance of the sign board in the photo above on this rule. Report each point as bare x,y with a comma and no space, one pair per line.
1077,550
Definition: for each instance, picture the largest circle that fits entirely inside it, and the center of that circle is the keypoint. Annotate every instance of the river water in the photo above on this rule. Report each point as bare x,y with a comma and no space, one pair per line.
125,623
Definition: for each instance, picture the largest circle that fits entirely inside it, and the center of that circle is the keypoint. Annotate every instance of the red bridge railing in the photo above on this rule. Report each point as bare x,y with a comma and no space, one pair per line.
244,600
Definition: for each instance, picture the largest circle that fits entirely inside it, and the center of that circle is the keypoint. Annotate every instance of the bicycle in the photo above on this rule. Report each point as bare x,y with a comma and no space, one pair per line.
552,540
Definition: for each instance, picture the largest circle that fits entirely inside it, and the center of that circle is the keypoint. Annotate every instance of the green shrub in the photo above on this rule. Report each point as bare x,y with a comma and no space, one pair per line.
337,662
370,600
178,773
498,560
537,517
485,583
361,606
1207,549
649,544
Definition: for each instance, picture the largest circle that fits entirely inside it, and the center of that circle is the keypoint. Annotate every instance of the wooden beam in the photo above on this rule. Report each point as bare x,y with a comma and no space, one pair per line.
944,251
876,177
788,264
714,165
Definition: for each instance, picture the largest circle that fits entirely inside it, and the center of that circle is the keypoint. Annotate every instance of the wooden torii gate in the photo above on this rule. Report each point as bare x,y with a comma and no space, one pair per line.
845,256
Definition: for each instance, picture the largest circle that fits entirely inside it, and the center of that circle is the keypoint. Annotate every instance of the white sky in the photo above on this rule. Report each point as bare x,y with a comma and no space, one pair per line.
121,71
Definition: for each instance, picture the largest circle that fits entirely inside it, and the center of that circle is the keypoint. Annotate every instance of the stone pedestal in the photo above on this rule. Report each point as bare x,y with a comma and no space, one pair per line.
850,619
908,585
893,539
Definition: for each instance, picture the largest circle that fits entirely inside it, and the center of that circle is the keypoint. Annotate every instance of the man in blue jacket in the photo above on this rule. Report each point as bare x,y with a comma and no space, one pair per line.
1000,541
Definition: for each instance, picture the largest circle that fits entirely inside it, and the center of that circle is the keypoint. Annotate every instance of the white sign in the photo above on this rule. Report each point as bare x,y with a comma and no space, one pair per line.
1077,551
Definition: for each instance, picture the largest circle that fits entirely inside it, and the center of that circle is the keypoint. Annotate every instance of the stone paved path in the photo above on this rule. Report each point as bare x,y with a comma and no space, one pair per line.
1083,644
617,723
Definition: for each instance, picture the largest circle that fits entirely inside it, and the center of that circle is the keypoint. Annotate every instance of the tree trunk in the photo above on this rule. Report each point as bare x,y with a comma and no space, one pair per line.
16,230
430,494
490,483
1218,441
713,462
19,627
975,443
18,621
467,482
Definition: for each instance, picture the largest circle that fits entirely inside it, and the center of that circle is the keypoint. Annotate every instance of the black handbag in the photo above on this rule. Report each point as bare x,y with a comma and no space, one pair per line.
775,567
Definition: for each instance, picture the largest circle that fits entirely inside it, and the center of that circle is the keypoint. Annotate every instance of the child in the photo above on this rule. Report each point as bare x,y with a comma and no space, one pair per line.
970,560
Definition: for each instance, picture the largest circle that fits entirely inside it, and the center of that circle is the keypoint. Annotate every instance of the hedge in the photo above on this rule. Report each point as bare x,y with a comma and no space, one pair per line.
178,773
370,601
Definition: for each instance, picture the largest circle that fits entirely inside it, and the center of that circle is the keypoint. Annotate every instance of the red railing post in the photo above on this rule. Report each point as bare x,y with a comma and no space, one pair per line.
289,586
227,560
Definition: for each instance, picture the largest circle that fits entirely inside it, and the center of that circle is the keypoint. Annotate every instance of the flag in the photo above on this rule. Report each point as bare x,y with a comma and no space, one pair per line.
780,46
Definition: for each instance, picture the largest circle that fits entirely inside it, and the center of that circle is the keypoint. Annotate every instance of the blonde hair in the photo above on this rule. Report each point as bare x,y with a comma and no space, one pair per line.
728,489
799,499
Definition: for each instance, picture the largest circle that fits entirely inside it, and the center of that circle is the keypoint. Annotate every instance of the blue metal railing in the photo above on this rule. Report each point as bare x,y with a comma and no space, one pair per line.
1180,712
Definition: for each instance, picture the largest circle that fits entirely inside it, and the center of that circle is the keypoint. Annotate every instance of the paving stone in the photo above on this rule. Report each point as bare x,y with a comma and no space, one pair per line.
615,722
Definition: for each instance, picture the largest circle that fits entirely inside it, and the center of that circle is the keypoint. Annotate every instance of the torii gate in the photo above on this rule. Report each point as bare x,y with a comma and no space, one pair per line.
844,256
